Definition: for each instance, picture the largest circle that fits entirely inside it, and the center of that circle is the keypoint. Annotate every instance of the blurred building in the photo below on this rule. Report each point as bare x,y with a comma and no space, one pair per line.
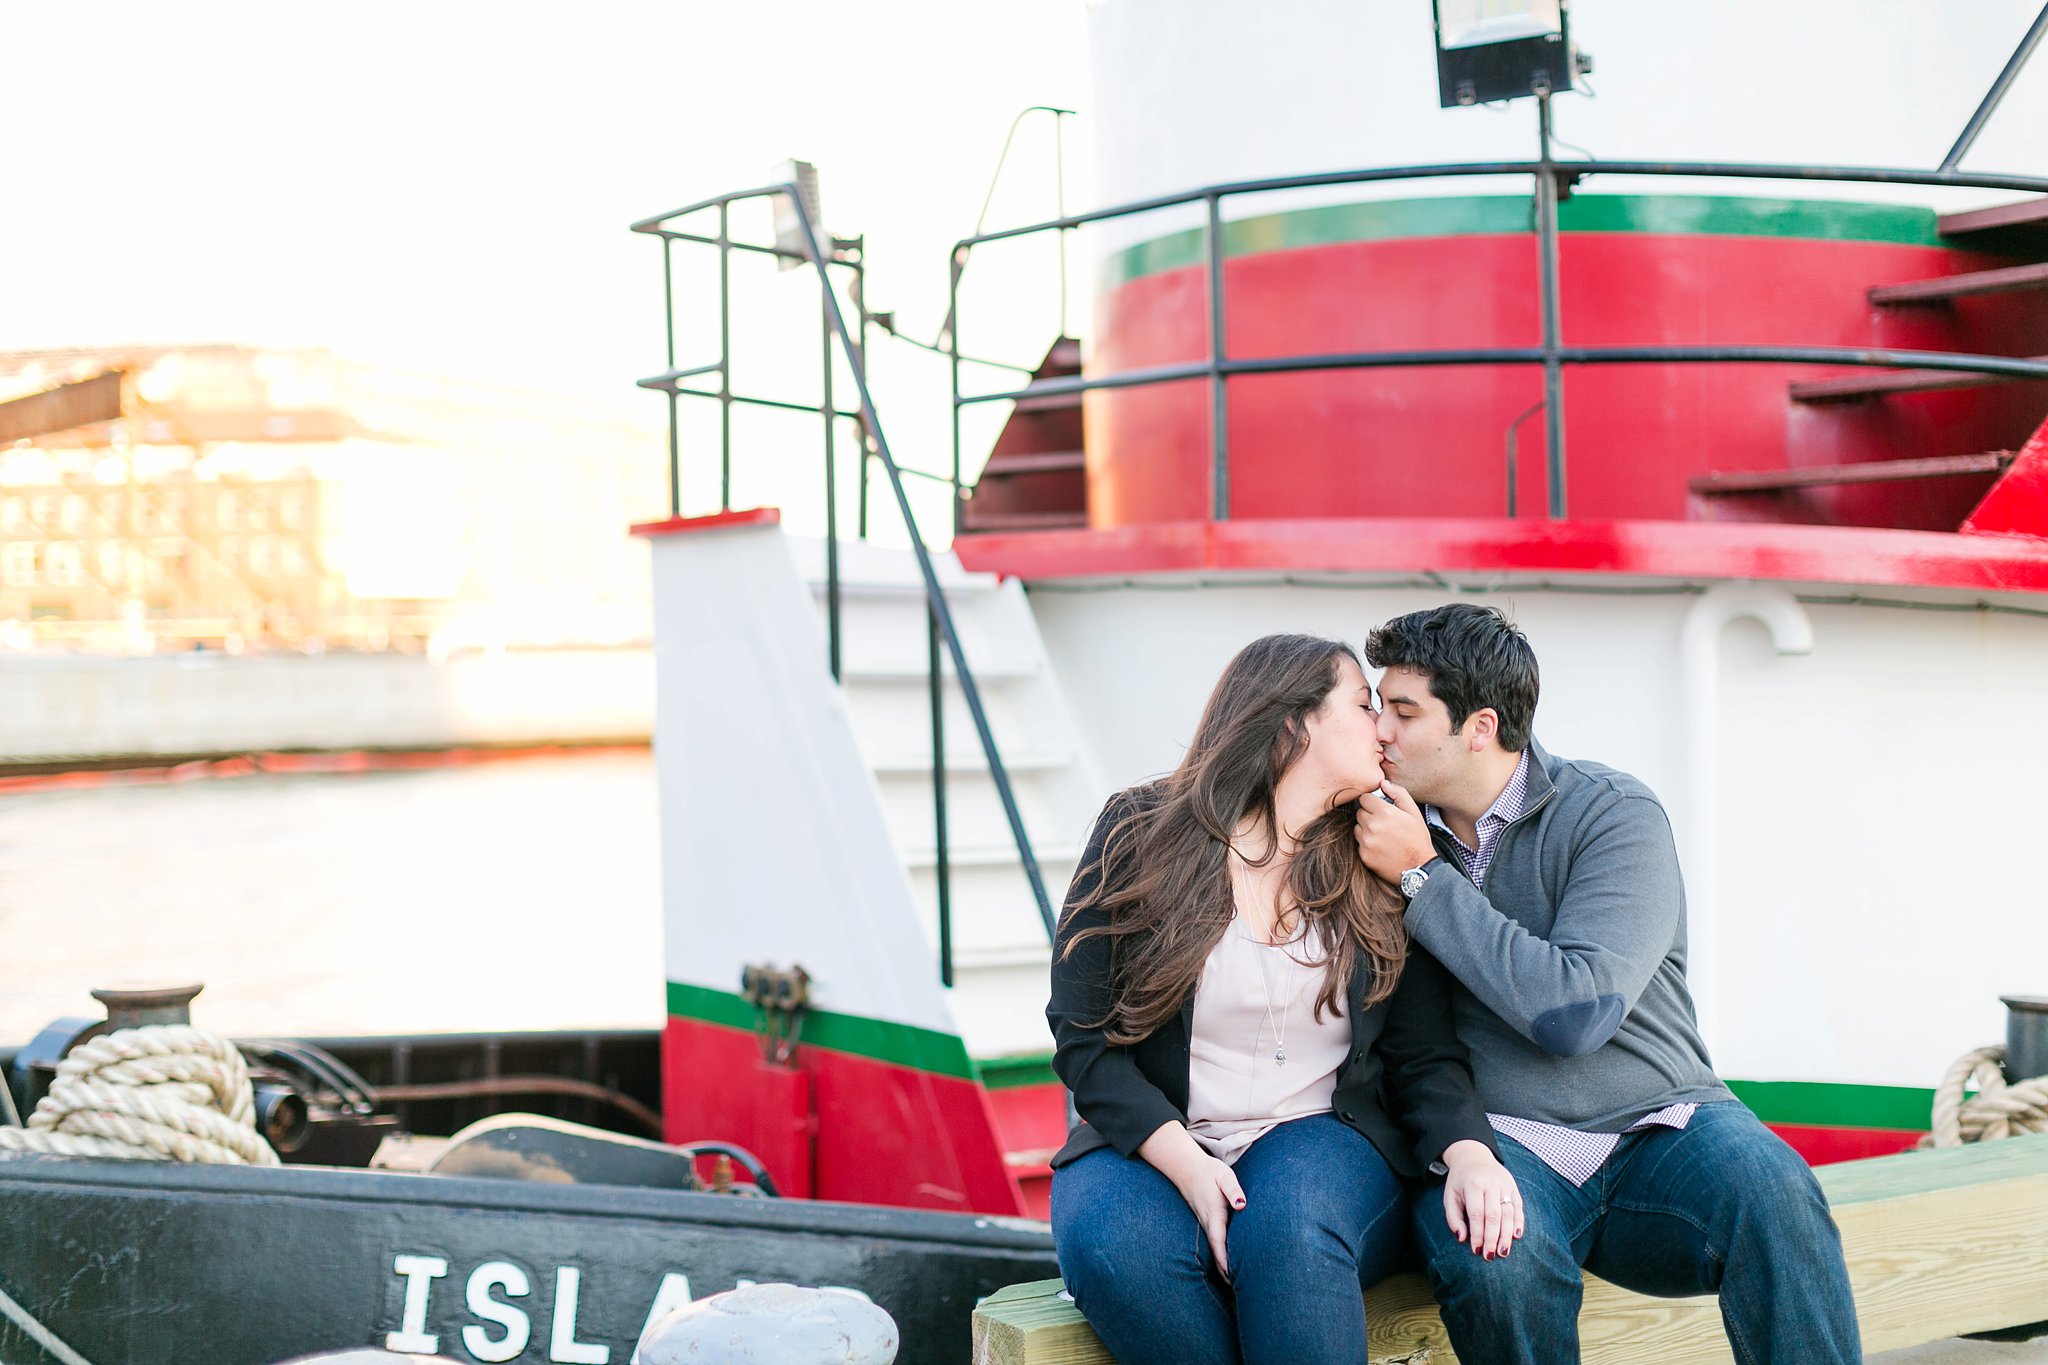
167,498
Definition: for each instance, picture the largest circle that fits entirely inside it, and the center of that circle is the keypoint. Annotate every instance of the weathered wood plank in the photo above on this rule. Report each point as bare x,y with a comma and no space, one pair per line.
2022,213
1977,283
1740,481
1938,1244
1850,388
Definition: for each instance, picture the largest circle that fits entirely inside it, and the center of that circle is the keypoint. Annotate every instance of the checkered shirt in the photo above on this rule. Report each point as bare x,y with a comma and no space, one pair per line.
1572,1154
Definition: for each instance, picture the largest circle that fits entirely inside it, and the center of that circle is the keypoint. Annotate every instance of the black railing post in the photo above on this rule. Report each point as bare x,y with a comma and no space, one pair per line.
1219,410
860,512
1059,179
724,356
860,303
828,410
959,263
1546,256
1514,439
1997,91
668,307
942,850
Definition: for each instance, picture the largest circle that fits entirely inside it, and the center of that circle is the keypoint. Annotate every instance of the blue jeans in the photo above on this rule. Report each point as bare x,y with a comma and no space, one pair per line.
1721,1206
1323,1216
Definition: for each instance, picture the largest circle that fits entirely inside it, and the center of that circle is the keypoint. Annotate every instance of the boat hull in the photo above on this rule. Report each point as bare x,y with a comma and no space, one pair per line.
158,1265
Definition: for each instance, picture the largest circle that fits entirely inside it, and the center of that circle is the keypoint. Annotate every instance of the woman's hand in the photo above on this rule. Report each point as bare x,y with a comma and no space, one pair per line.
1209,1185
1481,1203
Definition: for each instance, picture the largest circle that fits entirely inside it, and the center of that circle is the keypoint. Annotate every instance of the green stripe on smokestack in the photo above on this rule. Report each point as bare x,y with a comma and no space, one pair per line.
1467,215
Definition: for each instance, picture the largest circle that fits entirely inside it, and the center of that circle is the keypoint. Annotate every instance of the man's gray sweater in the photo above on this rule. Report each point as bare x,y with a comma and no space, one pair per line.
1571,962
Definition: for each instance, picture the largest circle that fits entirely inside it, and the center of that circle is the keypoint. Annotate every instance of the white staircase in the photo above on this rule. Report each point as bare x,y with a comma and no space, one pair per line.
1000,954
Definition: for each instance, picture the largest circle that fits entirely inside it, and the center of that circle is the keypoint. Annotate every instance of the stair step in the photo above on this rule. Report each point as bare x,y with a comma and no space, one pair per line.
1849,388
885,676
1049,402
967,762
1023,521
1013,955
2025,213
1875,471
866,589
1044,461
987,855
1976,282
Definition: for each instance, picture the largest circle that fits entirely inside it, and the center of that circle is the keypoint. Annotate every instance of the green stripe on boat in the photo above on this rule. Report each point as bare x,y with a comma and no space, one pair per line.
1007,1073
1811,1103
1821,1105
1468,215
1815,1104
921,1049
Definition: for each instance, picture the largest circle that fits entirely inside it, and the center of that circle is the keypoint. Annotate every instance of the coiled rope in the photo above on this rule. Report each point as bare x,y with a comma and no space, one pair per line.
1997,1110
168,1092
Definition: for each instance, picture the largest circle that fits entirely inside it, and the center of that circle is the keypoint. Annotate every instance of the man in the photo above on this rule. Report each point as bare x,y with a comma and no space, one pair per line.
1550,889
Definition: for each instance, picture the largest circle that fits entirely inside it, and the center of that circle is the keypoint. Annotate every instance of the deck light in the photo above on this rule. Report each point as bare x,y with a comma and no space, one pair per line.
1502,49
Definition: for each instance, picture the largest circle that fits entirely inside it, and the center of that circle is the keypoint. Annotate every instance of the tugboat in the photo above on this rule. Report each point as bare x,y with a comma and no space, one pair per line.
1754,451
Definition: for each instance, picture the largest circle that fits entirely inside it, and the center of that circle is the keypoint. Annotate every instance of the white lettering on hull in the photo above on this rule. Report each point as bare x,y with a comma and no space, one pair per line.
420,1272
563,1346
504,1330
518,1326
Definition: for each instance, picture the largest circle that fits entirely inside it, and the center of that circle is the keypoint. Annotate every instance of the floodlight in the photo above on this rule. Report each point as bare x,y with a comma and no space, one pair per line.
1502,49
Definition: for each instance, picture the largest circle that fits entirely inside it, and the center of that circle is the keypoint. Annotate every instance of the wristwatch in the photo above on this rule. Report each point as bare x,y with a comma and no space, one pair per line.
1414,877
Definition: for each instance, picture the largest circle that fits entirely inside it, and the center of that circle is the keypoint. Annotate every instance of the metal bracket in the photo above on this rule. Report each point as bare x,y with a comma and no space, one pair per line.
780,998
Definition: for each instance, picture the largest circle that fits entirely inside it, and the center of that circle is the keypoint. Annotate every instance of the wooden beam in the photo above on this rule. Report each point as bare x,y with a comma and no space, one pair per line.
1848,387
1938,1244
2024,213
1870,471
1971,285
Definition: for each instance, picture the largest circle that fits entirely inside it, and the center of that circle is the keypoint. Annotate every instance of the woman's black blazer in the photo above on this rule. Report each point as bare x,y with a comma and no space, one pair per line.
1407,1085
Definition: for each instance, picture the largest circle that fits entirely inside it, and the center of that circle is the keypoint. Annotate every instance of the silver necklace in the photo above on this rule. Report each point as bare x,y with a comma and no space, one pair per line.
1279,1024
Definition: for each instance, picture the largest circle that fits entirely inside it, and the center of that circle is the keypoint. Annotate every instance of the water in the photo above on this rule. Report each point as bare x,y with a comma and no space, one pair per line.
516,894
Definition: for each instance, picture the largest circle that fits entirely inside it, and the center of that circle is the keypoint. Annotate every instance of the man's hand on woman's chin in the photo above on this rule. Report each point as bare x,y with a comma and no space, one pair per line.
1392,835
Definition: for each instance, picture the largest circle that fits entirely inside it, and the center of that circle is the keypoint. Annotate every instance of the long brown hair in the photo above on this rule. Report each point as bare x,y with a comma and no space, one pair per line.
1165,878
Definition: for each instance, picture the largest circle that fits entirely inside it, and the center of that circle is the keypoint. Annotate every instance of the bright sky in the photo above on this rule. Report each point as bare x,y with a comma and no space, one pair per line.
446,186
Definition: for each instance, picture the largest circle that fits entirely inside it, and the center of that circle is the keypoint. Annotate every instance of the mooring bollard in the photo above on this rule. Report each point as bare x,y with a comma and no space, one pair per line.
772,1324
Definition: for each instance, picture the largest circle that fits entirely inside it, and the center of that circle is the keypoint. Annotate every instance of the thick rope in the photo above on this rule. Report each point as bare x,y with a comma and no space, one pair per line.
39,1334
163,1093
1997,1110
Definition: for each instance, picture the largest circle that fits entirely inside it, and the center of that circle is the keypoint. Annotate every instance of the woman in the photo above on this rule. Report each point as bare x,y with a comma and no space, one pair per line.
1234,1004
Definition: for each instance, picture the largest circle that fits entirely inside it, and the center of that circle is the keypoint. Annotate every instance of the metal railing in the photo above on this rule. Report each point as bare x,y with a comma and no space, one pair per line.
1552,180
941,634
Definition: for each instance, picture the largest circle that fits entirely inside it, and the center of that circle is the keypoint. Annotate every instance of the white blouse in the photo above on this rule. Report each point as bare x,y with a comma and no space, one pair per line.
1258,1055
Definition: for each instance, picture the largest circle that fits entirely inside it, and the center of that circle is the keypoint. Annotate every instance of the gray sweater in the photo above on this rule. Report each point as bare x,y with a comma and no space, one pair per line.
1571,962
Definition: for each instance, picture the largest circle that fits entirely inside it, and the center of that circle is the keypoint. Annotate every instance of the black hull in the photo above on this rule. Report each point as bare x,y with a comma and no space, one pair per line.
156,1264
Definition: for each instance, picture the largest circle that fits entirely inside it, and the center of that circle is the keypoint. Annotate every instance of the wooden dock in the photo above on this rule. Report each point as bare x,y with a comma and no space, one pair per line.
1938,1243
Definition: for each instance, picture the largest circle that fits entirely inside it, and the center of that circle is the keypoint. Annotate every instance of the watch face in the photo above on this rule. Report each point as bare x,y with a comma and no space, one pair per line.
1412,880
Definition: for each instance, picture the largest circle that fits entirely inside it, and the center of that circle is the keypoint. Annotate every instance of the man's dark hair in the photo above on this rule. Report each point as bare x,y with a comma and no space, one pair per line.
1473,656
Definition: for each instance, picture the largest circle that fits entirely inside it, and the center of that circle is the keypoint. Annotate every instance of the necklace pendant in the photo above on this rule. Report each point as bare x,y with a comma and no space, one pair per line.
1279,1057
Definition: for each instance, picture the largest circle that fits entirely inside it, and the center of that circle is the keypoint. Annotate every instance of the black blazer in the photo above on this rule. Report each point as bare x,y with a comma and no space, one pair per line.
1407,1085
